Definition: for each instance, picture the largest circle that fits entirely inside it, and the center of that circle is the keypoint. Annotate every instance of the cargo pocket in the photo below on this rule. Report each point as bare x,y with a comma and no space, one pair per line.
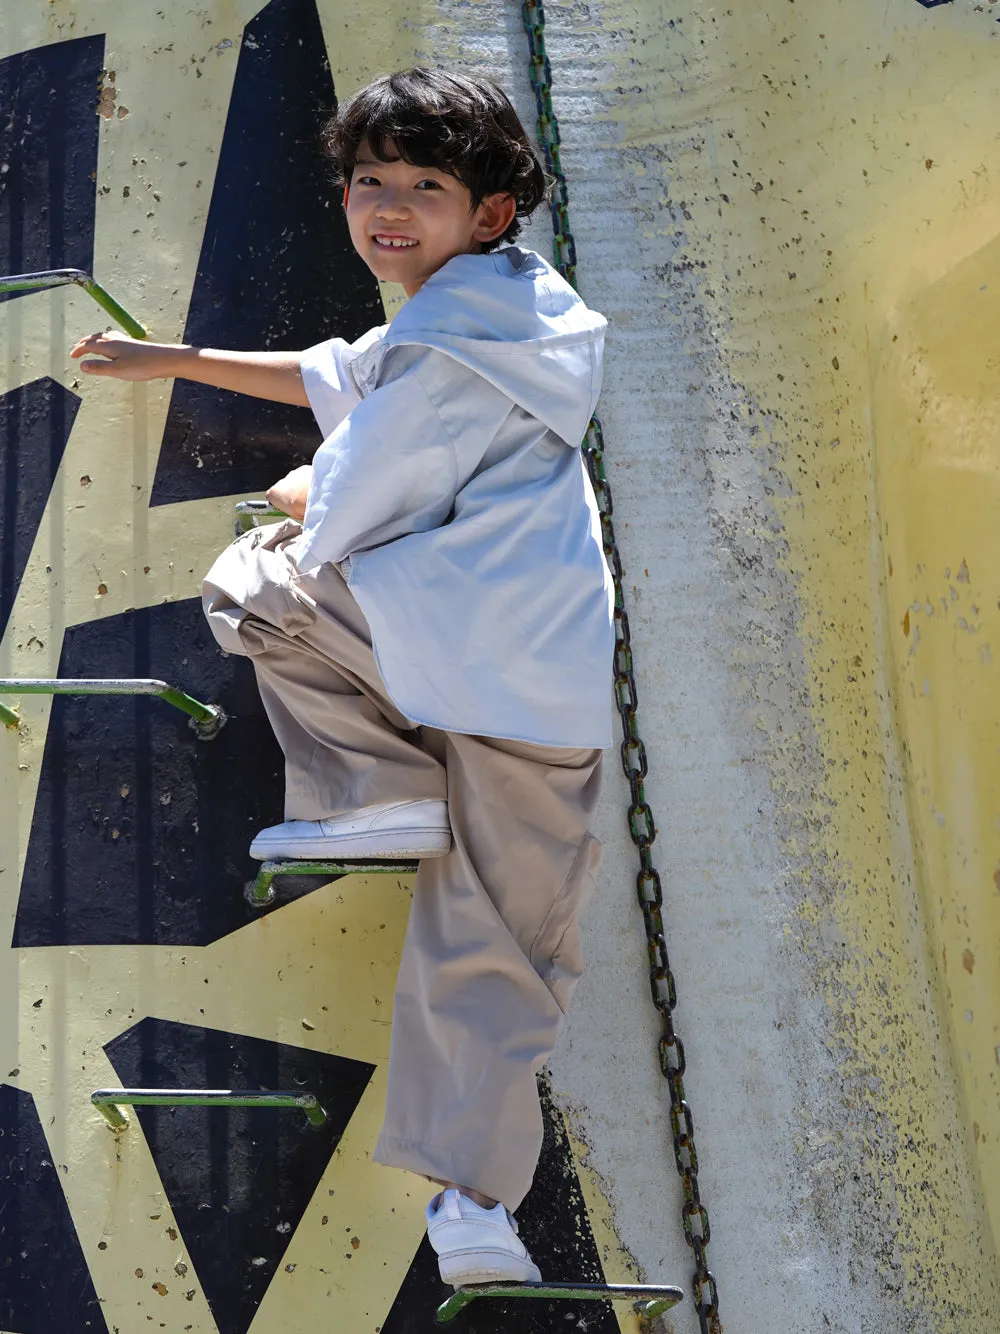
557,953
250,583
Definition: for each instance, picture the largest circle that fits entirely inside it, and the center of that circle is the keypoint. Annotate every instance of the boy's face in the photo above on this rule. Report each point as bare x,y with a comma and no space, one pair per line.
406,221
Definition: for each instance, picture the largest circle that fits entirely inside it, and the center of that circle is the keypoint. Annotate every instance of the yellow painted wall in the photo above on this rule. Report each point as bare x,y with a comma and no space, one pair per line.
936,423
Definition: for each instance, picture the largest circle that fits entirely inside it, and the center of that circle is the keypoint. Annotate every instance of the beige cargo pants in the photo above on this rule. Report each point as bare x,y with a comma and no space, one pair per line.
492,949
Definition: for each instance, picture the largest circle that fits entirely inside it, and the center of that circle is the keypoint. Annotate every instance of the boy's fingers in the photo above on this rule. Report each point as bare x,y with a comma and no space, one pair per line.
86,344
104,336
96,367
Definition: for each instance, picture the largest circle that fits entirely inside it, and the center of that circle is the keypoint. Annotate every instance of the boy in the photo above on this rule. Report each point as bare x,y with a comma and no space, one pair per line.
432,628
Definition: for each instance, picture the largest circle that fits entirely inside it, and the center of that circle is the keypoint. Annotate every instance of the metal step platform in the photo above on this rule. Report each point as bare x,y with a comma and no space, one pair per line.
109,1102
646,1300
260,892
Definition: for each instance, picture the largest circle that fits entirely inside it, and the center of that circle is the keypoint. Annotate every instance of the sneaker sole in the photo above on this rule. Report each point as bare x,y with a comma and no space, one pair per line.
395,844
465,1267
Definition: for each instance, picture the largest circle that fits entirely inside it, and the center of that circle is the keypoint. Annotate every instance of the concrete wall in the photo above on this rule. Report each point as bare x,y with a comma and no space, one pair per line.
789,215
790,219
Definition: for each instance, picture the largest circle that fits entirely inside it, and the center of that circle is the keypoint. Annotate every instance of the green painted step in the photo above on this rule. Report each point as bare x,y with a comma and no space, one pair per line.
647,1300
110,1101
260,892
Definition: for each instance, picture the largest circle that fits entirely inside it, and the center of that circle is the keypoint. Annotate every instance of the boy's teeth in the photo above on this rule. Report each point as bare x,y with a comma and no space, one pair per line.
398,243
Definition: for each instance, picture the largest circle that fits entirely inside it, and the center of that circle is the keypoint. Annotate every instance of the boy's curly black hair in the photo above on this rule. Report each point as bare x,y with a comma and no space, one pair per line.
457,124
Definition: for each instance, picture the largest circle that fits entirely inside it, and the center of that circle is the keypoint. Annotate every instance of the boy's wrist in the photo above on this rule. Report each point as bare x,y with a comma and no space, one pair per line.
180,360
162,361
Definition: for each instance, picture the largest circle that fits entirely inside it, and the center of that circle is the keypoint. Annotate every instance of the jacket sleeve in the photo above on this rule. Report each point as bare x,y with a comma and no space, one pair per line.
328,387
388,469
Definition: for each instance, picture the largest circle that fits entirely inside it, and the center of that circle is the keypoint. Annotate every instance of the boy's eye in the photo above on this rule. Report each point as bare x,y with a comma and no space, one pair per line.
429,185
366,180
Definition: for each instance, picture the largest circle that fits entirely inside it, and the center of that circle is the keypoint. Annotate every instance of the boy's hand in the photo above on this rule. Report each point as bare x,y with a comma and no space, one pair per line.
292,492
127,358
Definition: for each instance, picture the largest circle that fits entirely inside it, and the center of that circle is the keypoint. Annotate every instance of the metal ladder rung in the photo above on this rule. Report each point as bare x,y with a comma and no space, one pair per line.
249,512
647,1300
31,282
109,1101
260,892
206,719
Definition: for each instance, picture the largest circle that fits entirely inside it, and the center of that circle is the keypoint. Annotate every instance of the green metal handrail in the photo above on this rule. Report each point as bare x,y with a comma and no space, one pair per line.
206,719
109,1101
28,282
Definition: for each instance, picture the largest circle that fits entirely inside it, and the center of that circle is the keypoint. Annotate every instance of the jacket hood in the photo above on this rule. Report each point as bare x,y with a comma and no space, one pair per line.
511,318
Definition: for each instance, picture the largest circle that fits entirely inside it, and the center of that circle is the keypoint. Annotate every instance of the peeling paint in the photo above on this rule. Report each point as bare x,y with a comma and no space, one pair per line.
107,93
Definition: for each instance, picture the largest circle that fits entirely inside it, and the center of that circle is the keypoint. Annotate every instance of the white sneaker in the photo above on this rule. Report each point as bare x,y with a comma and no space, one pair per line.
476,1245
394,829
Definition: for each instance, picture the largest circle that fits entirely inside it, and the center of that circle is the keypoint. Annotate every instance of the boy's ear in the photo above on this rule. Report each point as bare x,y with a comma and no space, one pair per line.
347,191
495,214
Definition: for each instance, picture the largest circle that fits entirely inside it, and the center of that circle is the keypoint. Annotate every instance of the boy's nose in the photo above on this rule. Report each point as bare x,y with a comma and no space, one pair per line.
390,205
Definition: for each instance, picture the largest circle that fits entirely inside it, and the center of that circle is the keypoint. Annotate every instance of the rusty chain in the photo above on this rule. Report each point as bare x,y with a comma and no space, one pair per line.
641,824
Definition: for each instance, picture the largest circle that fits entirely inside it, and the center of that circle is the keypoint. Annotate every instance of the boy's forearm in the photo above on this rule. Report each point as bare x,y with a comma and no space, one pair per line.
116,356
272,375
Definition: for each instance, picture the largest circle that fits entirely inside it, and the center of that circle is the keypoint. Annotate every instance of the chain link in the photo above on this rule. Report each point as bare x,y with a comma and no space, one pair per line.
642,826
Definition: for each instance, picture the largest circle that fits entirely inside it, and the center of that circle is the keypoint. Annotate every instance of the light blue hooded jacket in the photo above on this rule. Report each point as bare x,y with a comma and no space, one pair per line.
451,491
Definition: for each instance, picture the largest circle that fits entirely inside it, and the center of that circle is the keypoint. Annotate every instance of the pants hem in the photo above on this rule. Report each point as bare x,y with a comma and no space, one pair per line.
436,1163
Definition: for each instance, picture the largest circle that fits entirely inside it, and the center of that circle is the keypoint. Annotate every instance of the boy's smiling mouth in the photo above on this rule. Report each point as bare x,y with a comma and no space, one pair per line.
393,242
